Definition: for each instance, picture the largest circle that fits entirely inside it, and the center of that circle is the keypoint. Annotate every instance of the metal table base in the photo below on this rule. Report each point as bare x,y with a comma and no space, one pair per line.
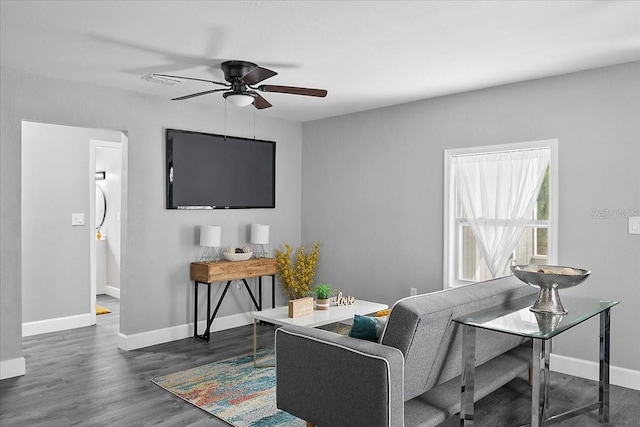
539,378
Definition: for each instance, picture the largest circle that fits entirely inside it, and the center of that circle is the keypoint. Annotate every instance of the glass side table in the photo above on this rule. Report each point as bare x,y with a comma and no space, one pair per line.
515,318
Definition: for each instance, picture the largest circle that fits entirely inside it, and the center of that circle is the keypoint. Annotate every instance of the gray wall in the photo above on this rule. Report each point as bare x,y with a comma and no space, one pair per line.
372,189
157,244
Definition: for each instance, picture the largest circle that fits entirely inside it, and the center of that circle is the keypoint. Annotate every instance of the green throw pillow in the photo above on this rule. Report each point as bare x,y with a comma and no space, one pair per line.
367,328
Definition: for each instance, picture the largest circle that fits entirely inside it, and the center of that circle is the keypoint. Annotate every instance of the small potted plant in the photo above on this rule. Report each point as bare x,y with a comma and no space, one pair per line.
323,292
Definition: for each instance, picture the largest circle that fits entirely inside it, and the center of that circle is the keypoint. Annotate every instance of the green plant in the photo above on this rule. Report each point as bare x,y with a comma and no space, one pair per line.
323,291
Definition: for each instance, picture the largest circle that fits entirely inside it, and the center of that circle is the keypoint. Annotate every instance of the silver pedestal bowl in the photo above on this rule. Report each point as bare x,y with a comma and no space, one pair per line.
549,278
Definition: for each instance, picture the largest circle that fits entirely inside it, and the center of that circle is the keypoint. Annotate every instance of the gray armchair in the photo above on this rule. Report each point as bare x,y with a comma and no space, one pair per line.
412,377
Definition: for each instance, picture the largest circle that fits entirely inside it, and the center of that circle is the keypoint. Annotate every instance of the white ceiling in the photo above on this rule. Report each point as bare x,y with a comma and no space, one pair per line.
367,54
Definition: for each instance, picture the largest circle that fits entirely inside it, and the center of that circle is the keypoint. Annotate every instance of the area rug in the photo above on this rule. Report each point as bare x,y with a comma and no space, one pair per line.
101,310
233,390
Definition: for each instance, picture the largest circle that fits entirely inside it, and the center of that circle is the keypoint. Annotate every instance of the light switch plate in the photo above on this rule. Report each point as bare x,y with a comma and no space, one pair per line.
77,219
634,225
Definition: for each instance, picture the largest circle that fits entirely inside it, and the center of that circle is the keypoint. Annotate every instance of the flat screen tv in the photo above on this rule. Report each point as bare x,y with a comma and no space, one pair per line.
207,171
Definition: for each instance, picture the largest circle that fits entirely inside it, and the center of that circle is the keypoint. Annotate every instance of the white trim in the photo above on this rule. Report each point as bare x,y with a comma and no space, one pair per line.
12,368
554,204
57,324
161,336
449,264
448,267
95,143
92,228
112,291
622,377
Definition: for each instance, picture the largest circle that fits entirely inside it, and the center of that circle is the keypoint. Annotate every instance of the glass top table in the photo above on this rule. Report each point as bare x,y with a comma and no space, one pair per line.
515,318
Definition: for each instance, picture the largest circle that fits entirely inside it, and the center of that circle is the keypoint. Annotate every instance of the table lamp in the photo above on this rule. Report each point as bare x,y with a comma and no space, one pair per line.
259,238
210,238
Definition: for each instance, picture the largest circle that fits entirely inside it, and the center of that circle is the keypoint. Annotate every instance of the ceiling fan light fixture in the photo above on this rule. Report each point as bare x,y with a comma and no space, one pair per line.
239,99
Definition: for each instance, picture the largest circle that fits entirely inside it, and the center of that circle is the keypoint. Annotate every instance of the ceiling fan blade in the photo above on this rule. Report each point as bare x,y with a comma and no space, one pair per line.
191,78
175,61
293,90
193,95
259,102
257,75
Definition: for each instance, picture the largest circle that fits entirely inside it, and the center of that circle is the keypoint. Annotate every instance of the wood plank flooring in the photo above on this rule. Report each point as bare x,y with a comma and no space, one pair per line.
80,378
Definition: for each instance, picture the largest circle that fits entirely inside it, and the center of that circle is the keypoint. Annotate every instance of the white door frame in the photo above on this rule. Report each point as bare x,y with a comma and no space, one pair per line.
92,216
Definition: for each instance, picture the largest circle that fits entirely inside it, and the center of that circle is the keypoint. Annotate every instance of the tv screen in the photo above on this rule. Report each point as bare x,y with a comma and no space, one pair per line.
207,171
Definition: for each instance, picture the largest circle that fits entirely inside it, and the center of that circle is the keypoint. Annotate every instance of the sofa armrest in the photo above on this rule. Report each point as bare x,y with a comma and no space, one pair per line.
333,380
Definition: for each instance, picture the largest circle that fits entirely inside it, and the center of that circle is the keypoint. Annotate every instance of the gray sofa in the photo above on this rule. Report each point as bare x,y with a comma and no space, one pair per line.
412,377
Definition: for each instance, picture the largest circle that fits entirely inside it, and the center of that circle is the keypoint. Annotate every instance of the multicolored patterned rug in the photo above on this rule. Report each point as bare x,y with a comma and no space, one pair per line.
233,390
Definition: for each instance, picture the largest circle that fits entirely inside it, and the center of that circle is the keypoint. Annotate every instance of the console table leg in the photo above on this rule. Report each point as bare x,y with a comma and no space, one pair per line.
205,335
195,310
468,375
213,316
605,320
207,331
255,303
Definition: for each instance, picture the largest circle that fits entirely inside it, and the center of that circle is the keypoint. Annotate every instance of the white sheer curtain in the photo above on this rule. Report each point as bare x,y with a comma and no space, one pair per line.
498,192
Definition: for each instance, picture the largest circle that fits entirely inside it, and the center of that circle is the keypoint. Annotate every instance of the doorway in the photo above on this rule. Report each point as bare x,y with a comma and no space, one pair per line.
58,224
106,160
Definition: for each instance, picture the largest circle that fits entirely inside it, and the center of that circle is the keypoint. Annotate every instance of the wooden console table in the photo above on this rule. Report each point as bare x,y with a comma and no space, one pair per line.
208,273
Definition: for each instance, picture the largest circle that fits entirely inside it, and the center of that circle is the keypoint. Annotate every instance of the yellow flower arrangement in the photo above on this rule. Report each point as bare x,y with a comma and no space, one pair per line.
296,281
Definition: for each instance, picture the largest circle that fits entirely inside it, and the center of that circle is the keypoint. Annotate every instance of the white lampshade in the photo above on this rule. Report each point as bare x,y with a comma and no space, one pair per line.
210,235
239,99
259,234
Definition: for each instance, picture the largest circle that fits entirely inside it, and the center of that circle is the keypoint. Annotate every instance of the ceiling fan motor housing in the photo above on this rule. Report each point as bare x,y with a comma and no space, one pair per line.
235,70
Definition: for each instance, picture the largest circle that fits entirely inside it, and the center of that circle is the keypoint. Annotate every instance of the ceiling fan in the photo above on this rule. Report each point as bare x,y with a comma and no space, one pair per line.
239,88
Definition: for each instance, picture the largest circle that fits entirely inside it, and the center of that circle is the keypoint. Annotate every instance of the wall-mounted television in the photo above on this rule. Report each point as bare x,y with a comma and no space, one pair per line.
207,171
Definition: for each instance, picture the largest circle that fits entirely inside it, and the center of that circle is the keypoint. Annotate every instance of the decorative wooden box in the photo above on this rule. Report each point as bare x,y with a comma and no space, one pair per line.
300,307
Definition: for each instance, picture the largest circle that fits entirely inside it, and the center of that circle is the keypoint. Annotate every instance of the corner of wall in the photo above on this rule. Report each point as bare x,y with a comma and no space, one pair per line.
12,368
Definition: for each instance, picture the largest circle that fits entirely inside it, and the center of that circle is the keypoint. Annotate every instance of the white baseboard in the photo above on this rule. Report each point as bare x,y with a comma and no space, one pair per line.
12,368
112,292
161,336
55,325
622,377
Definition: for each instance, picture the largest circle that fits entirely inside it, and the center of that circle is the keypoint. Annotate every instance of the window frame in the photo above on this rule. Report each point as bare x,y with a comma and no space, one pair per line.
451,223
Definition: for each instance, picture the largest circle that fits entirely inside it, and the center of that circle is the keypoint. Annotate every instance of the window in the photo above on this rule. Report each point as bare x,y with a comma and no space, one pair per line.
464,261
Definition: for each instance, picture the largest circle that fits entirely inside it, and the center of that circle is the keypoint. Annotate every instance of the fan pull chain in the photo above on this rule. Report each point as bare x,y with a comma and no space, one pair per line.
225,120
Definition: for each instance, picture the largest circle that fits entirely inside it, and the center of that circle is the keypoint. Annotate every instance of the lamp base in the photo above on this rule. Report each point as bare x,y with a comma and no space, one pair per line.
259,251
205,255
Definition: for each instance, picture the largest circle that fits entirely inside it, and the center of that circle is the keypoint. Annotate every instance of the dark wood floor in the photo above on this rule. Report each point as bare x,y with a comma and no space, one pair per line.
80,378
